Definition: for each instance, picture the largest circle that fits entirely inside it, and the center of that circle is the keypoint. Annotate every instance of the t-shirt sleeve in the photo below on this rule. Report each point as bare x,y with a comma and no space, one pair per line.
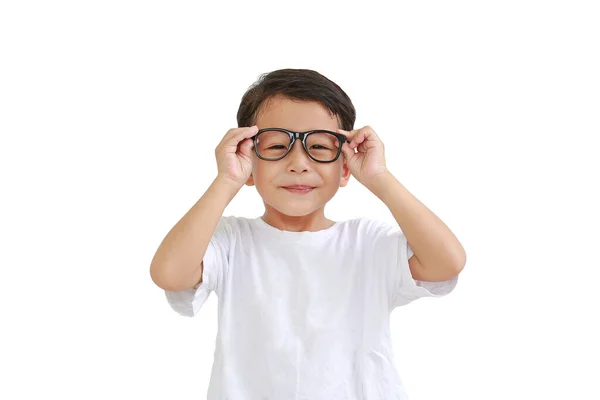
392,252
189,301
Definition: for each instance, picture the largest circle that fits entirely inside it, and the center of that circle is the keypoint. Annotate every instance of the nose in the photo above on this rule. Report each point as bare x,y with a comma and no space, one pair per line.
298,160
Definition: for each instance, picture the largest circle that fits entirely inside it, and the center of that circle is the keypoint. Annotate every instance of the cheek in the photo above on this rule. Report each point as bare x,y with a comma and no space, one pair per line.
331,176
261,175
338,170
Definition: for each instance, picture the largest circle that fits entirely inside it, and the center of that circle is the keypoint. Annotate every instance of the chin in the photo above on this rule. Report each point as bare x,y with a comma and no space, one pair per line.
292,205
291,211
292,208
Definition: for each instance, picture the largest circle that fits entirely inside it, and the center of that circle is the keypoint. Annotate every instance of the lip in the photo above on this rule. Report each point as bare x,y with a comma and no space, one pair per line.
298,189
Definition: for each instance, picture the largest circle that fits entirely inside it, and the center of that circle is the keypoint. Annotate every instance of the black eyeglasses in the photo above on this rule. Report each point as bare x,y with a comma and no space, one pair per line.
272,144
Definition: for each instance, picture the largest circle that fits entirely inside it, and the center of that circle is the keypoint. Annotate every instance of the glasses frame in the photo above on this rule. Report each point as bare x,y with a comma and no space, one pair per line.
302,137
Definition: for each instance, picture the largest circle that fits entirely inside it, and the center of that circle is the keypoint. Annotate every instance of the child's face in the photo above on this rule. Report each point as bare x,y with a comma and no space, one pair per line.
297,168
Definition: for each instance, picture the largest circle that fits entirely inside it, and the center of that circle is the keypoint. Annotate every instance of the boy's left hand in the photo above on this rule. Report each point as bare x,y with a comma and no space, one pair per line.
368,163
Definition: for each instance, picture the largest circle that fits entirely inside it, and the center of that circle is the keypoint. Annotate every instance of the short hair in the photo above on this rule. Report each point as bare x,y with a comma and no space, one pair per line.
299,84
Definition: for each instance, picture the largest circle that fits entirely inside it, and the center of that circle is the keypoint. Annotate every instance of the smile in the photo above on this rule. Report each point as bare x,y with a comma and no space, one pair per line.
299,189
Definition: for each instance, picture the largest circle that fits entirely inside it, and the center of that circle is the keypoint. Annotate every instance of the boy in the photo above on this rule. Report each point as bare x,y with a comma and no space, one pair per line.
304,302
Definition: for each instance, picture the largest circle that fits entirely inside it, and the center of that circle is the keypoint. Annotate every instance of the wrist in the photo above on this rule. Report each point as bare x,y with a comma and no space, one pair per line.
380,182
227,183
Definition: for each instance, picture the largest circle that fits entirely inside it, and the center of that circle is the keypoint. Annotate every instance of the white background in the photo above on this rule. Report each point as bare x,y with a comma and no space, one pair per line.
110,113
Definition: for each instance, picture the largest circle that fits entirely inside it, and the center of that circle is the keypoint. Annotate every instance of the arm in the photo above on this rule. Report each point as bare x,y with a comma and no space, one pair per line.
438,254
177,264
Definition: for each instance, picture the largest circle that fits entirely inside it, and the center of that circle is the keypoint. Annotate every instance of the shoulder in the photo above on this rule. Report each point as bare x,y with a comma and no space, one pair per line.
235,226
228,225
365,223
227,222
367,227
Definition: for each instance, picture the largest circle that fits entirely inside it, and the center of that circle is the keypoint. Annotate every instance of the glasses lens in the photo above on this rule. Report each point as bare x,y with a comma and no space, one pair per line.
322,146
272,144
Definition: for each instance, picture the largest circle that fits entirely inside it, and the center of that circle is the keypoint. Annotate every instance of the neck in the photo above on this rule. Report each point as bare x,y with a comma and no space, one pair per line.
311,222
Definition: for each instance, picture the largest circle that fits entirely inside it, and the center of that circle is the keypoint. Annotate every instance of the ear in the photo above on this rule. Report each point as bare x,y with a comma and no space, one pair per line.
250,181
345,174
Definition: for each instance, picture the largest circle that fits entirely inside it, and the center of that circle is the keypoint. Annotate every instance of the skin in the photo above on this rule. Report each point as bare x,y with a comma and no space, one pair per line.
289,211
438,253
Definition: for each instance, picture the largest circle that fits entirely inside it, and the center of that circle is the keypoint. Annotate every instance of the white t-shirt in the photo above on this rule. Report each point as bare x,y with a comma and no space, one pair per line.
305,315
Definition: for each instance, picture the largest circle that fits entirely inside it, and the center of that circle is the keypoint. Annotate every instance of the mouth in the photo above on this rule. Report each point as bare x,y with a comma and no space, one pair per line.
298,189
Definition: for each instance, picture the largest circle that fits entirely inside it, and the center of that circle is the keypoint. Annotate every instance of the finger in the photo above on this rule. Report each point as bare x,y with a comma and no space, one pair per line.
366,139
348,134
347,151
239,134
352,136
244,133
246,147
234,136
363,147
364,134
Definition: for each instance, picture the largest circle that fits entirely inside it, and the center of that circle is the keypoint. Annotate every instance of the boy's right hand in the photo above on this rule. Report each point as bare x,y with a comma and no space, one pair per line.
234,154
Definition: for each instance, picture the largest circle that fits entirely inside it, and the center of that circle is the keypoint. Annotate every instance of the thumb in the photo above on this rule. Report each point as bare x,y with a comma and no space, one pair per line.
246,147
348,152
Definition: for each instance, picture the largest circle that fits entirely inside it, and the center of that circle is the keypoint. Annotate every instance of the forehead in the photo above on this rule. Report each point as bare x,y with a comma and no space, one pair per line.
295,115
